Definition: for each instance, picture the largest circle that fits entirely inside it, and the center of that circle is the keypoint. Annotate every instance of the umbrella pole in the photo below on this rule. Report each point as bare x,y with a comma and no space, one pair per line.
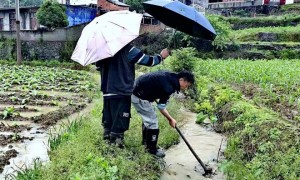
172,38
207,170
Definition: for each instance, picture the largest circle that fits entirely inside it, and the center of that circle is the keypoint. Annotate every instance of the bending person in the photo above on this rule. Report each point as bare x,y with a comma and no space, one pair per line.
152,87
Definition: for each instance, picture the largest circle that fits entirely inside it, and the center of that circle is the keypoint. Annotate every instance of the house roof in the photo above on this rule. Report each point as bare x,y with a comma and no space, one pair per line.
13,8
147,15
116,2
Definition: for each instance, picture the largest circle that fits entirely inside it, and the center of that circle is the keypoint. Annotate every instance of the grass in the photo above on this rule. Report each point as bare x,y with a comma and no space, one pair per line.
261,145
50,63
283,34
80,153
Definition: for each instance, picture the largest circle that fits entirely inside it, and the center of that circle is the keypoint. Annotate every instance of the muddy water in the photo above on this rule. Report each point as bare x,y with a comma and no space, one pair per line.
181,164
36,148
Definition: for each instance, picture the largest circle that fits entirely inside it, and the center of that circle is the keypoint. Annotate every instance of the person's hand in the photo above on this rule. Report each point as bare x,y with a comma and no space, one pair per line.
172,123
164,53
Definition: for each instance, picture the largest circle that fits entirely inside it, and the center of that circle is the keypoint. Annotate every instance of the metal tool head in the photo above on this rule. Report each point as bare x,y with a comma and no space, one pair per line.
207,171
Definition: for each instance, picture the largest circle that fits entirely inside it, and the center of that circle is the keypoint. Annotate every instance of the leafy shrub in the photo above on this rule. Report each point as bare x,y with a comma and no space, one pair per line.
66,52
201,117
183,59
223,29
52,15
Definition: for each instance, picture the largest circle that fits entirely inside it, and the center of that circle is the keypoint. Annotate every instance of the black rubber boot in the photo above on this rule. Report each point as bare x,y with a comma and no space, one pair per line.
152,138
144,134
117,139
106,135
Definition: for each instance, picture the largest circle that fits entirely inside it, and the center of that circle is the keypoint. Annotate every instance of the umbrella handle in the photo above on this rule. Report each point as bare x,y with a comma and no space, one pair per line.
172,38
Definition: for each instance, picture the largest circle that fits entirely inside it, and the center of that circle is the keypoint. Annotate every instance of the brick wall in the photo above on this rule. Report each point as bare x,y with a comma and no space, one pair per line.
151,28
104,4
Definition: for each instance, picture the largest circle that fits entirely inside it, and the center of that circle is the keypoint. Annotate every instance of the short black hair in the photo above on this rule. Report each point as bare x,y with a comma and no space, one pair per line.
187,76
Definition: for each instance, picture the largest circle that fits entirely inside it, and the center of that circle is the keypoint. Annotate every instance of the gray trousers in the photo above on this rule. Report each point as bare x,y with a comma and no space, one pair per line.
147,111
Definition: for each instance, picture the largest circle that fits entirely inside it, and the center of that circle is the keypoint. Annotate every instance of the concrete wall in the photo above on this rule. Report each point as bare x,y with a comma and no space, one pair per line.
42,45
47,45
59,34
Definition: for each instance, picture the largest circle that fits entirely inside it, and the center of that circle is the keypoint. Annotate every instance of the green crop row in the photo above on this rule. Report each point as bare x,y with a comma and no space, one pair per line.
44,78
280,34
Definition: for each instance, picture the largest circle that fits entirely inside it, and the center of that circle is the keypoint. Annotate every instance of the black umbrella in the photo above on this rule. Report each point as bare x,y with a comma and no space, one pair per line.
181,17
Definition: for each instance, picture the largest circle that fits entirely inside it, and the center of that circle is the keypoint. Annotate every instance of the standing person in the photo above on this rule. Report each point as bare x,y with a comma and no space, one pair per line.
117,79
152,87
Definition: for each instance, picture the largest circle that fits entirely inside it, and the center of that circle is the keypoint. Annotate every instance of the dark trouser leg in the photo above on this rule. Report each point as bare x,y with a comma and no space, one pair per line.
152,138
106,119
144,134
120,110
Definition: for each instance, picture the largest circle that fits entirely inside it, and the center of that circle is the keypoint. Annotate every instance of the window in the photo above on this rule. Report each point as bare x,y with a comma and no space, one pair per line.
150,21
1,24
33,24
12,21
147,20
155,22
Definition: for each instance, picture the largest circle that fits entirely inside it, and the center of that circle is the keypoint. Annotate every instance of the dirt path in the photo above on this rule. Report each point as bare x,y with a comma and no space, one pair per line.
182,164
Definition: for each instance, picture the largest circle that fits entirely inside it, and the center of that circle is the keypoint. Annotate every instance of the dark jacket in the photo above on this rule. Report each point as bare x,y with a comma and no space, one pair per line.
118,72
156,85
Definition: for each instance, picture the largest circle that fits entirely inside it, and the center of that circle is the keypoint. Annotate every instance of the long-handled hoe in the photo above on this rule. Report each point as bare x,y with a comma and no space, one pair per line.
207,170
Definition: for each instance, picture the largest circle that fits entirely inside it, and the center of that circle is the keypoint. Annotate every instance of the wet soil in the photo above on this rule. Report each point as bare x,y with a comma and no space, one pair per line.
181,164
14,97
38,112
52,118
15,128
4,159
49,118
21,109
8,139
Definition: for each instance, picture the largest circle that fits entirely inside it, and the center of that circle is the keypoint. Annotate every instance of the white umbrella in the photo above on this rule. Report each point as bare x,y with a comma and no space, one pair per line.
106,35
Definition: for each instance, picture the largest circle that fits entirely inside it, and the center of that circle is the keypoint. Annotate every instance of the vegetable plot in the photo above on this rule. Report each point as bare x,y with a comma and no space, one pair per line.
37,97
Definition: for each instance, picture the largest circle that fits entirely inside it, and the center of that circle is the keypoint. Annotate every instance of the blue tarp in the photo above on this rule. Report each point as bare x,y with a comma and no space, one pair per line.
80,14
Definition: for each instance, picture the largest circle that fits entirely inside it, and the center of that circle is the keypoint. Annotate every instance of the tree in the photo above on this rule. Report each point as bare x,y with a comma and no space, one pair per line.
52,15
135,5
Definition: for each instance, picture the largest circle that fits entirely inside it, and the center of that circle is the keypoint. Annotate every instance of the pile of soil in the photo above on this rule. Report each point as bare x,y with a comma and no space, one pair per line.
15,128
4,159
7,139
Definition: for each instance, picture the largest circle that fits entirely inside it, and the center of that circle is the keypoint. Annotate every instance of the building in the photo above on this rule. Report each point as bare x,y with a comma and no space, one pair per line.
82,2
27,18
80,14
75,14
111,5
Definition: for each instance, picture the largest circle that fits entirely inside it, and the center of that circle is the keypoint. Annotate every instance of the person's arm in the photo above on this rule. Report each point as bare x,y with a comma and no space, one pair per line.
171,120
137,56
162,106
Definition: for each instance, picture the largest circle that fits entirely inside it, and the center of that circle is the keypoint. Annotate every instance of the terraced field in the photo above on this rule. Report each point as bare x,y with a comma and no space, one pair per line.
32,99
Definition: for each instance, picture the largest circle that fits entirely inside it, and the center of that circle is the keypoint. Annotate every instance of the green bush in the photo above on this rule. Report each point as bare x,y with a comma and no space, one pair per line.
223,29
52,15
183,59
66,52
